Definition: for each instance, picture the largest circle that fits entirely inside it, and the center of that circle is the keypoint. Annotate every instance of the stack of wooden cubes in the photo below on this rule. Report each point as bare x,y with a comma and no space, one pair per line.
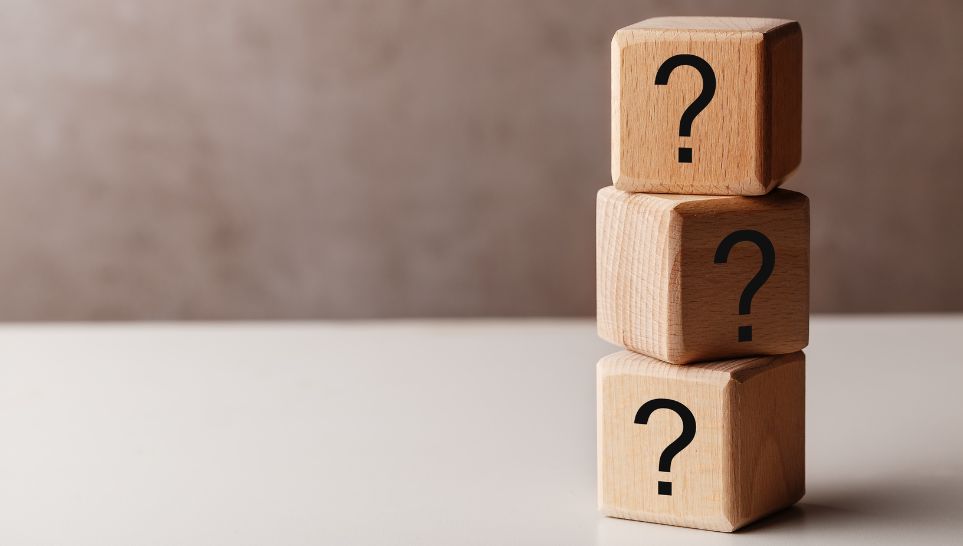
703,274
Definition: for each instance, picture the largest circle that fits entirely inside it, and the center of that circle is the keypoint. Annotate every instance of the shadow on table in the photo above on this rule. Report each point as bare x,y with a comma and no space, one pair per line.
932,504
884,512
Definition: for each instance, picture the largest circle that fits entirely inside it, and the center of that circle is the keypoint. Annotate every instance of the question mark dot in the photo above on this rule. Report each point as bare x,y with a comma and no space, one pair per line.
745,333
685,155
665,488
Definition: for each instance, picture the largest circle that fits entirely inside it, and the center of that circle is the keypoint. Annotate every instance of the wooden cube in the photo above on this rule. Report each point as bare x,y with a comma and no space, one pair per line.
685,278
706,105
713,446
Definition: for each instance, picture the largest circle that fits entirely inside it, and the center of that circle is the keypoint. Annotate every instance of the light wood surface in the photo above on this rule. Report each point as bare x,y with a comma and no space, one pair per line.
746,457
660,291
745,141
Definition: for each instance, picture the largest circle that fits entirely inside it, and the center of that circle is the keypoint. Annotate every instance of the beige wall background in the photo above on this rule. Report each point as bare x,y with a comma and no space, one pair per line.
286,159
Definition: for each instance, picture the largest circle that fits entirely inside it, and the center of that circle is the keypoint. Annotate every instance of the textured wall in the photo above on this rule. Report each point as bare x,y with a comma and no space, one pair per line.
225,158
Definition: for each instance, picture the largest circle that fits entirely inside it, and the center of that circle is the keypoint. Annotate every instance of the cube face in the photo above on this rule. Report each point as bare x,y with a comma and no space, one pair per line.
747,137
746,455
675,274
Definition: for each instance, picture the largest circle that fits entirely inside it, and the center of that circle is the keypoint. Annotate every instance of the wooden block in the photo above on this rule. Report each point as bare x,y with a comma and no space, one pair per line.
746,72
686,278
712,446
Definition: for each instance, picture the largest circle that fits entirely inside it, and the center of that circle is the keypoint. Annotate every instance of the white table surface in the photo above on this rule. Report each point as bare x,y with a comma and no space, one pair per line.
429,433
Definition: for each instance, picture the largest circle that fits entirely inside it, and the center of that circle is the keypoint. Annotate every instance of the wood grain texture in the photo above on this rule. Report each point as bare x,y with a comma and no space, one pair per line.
661,293
746,460
745,142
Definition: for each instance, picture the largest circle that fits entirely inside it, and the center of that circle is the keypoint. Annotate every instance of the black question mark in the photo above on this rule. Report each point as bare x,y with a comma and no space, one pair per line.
768,264
680,443
698,105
